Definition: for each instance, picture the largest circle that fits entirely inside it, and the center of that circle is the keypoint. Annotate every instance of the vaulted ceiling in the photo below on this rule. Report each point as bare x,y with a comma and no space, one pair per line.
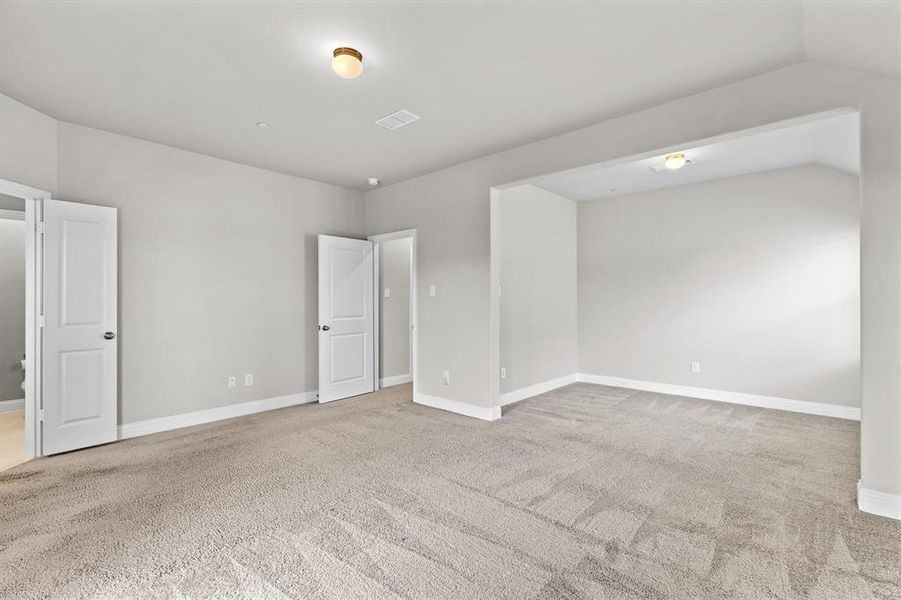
831,141
483,76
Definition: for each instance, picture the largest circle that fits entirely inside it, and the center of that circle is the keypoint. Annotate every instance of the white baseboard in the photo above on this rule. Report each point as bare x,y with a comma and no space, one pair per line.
538,388
799,406
486,413
12,405
138,428
878,503
395,380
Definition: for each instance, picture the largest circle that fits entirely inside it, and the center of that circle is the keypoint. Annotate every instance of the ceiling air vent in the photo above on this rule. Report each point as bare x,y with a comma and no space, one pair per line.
397,120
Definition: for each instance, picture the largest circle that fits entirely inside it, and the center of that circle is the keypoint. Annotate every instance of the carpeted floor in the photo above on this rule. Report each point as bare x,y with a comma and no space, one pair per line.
584,492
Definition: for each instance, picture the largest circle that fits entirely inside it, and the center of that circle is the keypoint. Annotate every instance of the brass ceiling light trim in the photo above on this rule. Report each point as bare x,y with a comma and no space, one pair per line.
347,62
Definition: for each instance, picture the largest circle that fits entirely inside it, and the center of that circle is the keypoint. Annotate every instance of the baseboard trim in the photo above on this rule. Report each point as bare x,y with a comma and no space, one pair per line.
146,427
12,405
538,388
486,413
787,404
878,503
395,380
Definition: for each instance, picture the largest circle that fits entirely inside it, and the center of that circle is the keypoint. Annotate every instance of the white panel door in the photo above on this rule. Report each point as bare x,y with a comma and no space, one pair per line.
345,318
79,334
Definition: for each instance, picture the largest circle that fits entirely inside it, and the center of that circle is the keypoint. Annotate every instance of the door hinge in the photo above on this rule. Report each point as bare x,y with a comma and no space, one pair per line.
41,415
39,226
40,320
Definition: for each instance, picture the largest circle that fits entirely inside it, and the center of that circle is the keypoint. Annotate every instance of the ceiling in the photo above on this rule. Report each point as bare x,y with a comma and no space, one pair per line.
483,76
833,142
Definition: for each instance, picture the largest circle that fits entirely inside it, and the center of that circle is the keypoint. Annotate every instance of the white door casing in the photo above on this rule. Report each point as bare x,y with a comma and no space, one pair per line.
345,318
80,324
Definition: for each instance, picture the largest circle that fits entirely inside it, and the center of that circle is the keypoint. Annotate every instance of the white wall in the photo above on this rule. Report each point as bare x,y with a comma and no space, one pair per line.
450,208
217,269
756,277
12,308
394,311
538,316
28,146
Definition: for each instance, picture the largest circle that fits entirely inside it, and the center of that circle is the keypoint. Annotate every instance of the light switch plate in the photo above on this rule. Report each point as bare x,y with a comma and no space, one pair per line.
432,291
387,292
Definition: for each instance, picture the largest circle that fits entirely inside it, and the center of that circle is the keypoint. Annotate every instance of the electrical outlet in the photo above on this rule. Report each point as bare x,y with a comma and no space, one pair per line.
248,379
503,372
446,379
232,381
695,366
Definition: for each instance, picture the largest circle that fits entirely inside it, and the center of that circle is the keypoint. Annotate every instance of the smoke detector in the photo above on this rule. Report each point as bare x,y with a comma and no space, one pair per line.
398,119
373,181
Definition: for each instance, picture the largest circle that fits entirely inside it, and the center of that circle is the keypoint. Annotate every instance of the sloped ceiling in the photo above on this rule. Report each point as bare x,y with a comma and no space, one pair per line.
483,76
832,142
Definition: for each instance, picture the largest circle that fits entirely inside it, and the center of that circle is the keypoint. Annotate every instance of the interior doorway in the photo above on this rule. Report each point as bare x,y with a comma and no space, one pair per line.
395,308
21,425
12,331
70,317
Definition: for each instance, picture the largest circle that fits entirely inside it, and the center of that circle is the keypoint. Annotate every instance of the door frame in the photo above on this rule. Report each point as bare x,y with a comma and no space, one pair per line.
34,261
377,296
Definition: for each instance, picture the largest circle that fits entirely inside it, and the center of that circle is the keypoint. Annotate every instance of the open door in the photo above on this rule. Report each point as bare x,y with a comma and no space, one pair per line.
79,330
345,318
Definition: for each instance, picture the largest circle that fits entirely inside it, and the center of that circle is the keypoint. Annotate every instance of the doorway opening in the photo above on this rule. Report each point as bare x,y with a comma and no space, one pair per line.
12,331
395,308
20,305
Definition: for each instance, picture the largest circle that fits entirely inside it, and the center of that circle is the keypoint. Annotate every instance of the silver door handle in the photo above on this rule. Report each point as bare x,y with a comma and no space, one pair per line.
109,335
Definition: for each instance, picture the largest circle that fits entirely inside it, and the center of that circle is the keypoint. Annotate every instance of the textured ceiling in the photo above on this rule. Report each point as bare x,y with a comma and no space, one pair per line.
483,76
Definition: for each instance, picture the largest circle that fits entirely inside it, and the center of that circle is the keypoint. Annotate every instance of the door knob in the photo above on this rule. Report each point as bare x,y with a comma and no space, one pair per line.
325,328
109,335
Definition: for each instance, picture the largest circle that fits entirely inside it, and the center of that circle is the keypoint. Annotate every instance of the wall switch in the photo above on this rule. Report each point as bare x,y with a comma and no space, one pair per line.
248,379
503,372
695,366
387,292
446,379
432,291
232,381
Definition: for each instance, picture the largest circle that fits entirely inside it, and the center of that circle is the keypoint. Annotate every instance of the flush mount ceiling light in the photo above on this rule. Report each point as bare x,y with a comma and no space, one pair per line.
263,124
347,62
675,161
373,181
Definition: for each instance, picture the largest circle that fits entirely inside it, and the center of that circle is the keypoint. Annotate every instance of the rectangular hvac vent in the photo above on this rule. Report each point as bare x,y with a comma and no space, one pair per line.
397,120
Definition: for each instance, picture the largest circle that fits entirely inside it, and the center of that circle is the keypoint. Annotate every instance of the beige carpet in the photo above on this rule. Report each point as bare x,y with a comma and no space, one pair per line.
585,492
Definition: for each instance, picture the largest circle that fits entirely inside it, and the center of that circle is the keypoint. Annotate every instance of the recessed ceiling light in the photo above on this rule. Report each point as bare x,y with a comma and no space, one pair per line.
675,161
263,125
373,181
347,62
